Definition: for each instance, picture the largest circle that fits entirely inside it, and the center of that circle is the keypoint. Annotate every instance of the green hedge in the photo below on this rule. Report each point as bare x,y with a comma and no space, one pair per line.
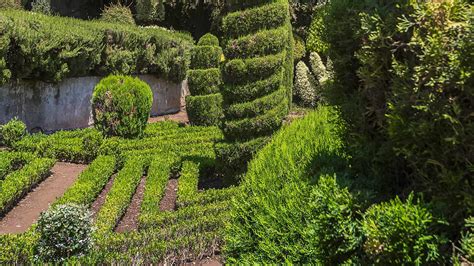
203,57
205,110
53,48
262,43
90,182
204,81
247,92
188,182
252,20
256,107
18,183
120,195
208,39
244,71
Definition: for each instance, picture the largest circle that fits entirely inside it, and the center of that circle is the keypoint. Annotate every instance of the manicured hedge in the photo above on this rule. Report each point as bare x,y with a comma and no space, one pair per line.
120,195
204,81
90,182
53,48
259,45
18,183
188,182
11,161
205,110
204,106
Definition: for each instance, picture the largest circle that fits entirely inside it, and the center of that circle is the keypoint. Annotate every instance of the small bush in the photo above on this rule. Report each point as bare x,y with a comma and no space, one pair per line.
399,233
41,6
121,106
117,13
64,231
299,48
204,81
318,68
204,110
12,132
208,40
305,85
205,57
91,143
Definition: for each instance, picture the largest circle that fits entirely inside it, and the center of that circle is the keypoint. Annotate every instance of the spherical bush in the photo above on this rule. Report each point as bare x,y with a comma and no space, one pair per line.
12,132
64,231
121,106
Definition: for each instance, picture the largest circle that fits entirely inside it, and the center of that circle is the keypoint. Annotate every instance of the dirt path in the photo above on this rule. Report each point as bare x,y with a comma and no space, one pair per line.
129,221
168,202
181,117
100,200
27,211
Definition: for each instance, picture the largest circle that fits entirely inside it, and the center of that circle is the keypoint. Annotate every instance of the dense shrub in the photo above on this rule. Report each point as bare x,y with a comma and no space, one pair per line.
300,49
306,85
399,232
149,11
117,13
71,47
13,4
12,132
204,110
315,41
64,231
121,106
279,193
467,241
204,105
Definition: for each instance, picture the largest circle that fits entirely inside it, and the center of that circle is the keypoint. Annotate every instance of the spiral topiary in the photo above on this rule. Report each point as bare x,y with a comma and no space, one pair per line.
121,106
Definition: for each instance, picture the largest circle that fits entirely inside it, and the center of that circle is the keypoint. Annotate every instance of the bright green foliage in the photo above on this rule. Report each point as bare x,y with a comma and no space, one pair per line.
273,218
204,105
117,13
208,40
17,248
11,161
90,182
205,110
187,182
64,231
315,41
120,195
53,48
121,106
42,7
300,49
399,233
12,132
18,183
258,44
467,241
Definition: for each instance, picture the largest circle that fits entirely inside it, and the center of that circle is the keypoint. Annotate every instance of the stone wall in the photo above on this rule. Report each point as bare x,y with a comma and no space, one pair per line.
66,105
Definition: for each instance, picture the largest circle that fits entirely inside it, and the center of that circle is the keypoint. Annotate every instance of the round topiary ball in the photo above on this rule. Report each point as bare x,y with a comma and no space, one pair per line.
208,39
121,106
64,231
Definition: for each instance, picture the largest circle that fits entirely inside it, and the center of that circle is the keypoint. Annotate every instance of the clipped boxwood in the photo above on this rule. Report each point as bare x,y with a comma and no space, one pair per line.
205,57
12,132
256,107
204,110
244,71
121,106
242,93
209,40
204,81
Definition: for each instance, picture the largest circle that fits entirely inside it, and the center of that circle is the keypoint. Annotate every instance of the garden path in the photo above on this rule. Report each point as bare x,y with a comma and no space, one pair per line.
168,202
28,210
129,221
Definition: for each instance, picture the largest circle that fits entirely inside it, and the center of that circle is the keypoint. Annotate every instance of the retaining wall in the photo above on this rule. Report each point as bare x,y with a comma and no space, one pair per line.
67,105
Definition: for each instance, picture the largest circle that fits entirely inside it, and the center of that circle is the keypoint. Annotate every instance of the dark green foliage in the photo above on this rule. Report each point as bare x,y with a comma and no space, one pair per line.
204,110
398,233
10,4
204,81
12,132
203,57
117,13
246,92
64,231
244,71
279,193
121,106
256,107
259,44
300,49
467,241
208,40
42,7
53,48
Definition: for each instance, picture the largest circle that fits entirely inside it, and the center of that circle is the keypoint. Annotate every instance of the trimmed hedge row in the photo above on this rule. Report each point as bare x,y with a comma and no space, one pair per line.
244,93
188,182
53,48
256,107
120,195
245,71
204,105
18,183
205,110
158,175
11,161
90,182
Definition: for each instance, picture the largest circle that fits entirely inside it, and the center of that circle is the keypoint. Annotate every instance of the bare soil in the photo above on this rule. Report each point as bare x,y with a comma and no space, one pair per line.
129,221
168,202
28,210
180,117
100,200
